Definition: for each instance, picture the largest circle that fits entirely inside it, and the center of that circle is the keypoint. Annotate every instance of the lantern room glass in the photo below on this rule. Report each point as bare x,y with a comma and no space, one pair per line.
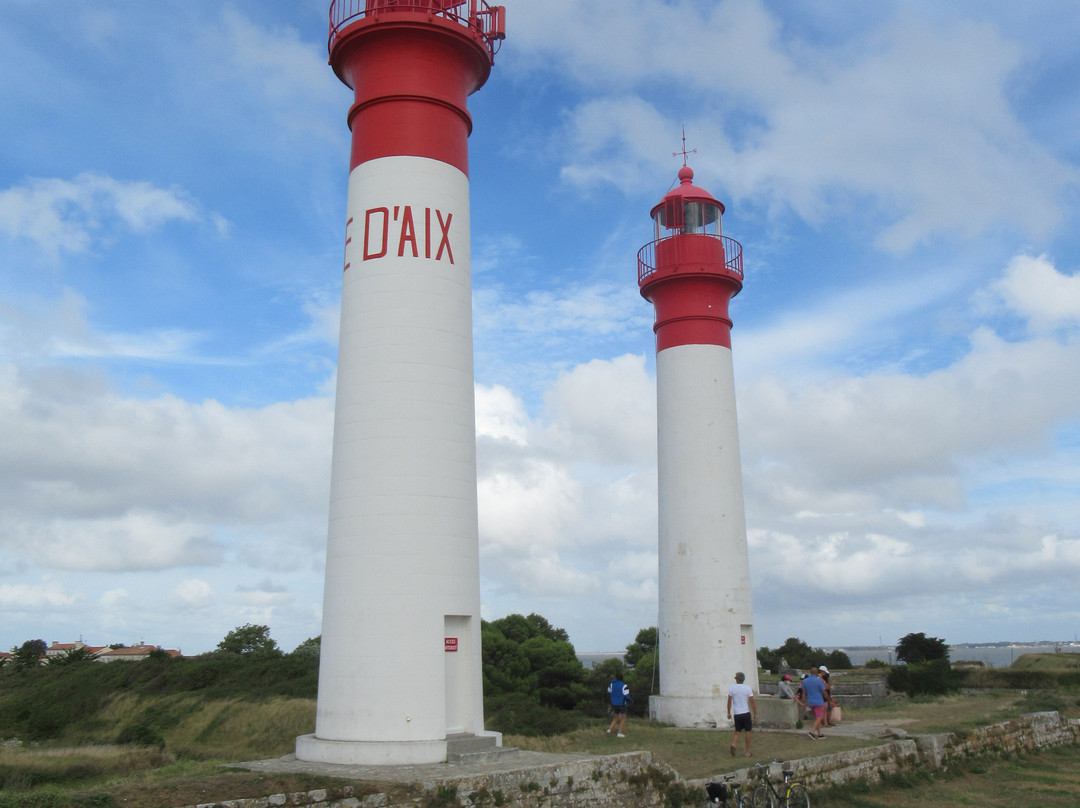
699,218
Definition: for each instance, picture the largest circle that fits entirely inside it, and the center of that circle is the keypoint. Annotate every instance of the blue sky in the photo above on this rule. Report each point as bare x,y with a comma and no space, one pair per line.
904,179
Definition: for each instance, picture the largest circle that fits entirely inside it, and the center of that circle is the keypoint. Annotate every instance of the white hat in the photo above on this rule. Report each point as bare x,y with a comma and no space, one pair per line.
823,669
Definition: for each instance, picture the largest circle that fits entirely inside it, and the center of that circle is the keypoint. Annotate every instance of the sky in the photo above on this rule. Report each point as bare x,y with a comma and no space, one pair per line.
904,178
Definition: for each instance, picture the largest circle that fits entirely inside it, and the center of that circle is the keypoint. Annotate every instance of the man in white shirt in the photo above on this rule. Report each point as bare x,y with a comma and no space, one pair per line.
740,701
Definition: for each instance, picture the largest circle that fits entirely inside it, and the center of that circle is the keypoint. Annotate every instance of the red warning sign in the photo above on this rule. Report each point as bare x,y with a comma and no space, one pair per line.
451,644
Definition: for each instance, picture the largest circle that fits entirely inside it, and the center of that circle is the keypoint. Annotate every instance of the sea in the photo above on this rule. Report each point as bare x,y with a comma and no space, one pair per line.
992,655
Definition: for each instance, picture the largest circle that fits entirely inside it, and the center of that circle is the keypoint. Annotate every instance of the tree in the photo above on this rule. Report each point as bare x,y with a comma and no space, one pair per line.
309,650
914,648
644,643
529,656
797,654
249,639
29,654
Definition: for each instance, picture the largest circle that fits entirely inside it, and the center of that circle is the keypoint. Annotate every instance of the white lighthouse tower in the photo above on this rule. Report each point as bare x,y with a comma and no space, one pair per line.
690,272
400,668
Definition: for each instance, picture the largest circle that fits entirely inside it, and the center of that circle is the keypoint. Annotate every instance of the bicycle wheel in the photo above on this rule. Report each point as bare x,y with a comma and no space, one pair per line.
744,801
761,797
797,796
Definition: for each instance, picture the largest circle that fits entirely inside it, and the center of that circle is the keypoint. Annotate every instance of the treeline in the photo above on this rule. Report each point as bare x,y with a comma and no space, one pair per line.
534,683
65,698
794,654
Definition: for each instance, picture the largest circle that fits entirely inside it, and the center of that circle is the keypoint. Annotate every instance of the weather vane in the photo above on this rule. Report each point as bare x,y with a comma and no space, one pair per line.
684,152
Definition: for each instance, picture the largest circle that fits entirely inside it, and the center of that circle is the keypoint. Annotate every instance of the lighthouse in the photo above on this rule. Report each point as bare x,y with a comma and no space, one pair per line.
689,272
400,665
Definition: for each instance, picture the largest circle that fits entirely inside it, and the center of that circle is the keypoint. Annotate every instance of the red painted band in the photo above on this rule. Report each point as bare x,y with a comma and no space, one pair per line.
410,80
691,308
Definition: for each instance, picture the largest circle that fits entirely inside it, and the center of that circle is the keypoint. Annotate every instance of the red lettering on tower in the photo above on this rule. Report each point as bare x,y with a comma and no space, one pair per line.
427,232
407,232
377,232
348,241
445,242
368,254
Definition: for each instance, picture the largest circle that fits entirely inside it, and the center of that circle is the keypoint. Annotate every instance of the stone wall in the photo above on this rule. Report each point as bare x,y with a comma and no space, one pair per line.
858,693
1027,733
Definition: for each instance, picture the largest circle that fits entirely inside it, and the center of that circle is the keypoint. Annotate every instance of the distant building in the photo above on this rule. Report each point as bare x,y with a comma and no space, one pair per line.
103,653
61,649
133,653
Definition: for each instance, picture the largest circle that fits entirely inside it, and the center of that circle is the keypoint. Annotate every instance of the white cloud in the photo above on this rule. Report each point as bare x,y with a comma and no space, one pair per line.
500,414
92,480
67,216
45,594
193,592
808,127
1034,289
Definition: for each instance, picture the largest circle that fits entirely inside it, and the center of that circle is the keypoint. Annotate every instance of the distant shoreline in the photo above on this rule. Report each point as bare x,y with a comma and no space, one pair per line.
992,654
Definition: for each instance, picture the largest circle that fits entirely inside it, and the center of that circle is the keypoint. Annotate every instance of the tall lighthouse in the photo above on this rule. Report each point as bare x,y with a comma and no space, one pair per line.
400,664
689,272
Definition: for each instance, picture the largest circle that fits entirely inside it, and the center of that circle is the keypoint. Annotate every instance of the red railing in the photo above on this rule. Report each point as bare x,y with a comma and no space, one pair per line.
646,257
487,23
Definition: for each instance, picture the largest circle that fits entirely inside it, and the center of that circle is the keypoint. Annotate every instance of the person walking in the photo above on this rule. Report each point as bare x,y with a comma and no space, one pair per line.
814,698
619,692
740,701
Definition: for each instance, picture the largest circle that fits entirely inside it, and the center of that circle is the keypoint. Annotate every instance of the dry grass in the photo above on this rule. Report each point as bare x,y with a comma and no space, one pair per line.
230,729
944,713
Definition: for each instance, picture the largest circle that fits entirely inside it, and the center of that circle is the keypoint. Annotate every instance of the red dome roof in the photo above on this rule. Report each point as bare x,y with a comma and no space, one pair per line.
690,192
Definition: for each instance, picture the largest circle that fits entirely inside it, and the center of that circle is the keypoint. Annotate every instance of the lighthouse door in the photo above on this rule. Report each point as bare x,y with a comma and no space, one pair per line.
457,642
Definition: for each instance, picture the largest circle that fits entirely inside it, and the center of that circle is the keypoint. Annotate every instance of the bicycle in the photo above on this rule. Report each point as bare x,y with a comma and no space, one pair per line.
766,794
719,791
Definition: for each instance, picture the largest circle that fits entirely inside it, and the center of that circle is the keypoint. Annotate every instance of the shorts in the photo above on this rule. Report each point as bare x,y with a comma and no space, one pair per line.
743,721
618,709
818,710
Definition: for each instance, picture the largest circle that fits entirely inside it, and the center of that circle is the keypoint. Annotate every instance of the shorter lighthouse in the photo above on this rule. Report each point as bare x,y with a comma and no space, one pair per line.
689,272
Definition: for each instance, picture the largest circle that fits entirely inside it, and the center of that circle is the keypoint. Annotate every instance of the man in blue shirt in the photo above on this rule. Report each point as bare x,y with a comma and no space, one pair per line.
620,698
813,694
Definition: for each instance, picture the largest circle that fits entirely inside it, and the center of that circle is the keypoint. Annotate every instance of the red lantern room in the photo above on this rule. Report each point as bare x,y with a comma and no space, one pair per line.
690,270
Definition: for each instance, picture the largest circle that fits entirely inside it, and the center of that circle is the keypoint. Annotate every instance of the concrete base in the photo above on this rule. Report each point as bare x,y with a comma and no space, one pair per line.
689,711
369,753
776,713
773,712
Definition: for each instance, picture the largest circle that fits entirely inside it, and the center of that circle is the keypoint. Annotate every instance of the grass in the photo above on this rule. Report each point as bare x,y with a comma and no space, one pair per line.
923,715
1048,779
1046,662
201,734
122,776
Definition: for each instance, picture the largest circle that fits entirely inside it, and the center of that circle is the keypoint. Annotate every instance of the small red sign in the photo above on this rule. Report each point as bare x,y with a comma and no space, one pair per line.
451,644
743,637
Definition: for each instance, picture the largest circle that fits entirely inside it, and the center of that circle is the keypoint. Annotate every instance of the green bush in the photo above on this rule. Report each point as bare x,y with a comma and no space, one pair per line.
517,714
932,678
141,735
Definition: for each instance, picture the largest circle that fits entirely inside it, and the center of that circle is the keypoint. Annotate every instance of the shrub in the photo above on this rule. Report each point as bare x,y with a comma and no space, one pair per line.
141,735
933,678
518,714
